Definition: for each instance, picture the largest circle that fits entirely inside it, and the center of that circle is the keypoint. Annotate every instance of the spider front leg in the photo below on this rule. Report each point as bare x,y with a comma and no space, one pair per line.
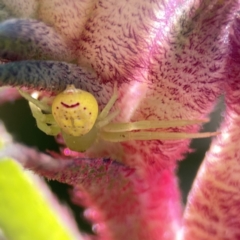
110,103
128,136
120,132
44,107
45,121
150,124
104,117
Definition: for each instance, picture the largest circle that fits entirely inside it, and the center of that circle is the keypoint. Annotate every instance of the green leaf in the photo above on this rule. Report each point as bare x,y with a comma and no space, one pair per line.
24,212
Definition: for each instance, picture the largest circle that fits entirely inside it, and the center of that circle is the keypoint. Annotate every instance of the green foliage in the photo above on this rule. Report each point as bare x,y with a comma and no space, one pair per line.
25,214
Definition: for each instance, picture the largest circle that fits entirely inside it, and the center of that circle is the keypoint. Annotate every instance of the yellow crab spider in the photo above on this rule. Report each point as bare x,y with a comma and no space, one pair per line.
75,114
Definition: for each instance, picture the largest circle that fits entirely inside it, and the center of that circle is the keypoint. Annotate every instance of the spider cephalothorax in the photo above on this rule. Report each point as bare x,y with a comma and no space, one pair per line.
74,113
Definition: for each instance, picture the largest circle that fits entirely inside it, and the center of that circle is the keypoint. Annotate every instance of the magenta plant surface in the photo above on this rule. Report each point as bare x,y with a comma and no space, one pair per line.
172,60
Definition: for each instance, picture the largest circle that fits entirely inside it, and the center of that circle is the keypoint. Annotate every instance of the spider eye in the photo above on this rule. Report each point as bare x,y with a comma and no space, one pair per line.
75,111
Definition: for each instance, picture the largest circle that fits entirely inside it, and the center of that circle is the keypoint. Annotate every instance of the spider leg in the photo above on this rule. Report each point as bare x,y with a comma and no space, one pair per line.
128,136
105,121
37,114
110,104
141,125
43,121
48,129
41,105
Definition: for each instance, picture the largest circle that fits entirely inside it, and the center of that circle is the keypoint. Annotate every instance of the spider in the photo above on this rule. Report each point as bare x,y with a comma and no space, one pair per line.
75,114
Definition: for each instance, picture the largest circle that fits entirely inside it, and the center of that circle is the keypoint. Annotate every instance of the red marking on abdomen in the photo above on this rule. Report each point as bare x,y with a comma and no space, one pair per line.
70,106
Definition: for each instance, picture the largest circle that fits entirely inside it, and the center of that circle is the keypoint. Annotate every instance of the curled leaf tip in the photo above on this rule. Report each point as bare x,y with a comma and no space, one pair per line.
31,39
